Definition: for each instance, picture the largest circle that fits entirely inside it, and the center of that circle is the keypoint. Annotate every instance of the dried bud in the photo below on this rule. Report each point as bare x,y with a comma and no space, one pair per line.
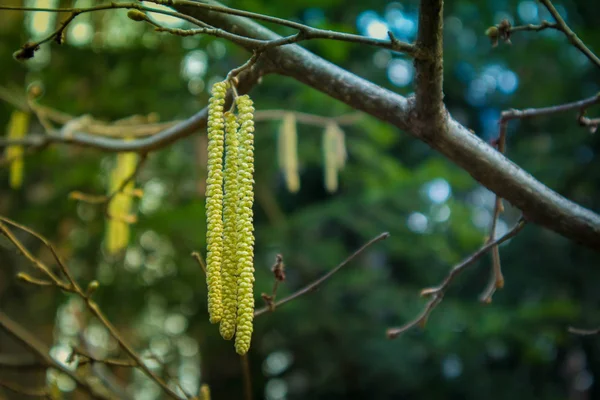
26,51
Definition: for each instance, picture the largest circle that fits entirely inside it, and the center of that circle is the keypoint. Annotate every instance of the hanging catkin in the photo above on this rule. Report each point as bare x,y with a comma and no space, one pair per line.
17,127
230,238
245,229
288,152
331,157
214,200
117,233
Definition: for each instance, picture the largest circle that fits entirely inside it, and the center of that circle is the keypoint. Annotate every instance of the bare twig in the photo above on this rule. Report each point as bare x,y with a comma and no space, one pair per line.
42,352
198,257
26,391
437,293
21,362
536,28
314,285
573,38
584,332
73,287
308,119
278,270
496,278
305,32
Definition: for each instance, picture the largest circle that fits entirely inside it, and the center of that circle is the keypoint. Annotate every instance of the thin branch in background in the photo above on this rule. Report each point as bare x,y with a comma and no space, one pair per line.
21,362
16,331
247,377
314,285
308,119
584,332
106,200
573,38
25,391
590,123
73,287
504,30
198,257
278,270
496,278
437,293
305,32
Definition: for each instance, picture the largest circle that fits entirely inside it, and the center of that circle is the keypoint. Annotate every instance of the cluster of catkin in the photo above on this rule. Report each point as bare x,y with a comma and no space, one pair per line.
334,153
230,232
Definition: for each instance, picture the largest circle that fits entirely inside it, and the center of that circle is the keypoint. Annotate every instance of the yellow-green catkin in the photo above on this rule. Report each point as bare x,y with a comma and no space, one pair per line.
334,153
245,229
17,127
288,152
214,200
120,206
230,239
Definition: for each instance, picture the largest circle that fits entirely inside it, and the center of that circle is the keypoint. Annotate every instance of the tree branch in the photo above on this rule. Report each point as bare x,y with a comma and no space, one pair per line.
314,285
437,293
540,204
573,38
42,352
429,68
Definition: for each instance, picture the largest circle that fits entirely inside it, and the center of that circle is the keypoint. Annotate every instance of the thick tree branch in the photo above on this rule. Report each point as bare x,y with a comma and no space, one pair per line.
540,204
429,68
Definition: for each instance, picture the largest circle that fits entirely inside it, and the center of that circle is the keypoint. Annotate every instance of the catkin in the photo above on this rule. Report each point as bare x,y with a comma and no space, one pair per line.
120,206
245,229
288,152
214,200
330,158
17,127
230,239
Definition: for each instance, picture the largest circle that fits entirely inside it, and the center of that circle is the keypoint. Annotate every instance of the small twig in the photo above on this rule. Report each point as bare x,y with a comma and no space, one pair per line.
308,119
314,285
21,362
437,293
584,332
247,377
106,200
278,270
200,260
86,358
496,278
42,352
73,287
573,38
590,123
536,28
25,391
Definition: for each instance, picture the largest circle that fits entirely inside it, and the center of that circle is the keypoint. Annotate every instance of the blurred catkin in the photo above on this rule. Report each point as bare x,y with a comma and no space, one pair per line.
117,233
17,128
287,152
334,154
